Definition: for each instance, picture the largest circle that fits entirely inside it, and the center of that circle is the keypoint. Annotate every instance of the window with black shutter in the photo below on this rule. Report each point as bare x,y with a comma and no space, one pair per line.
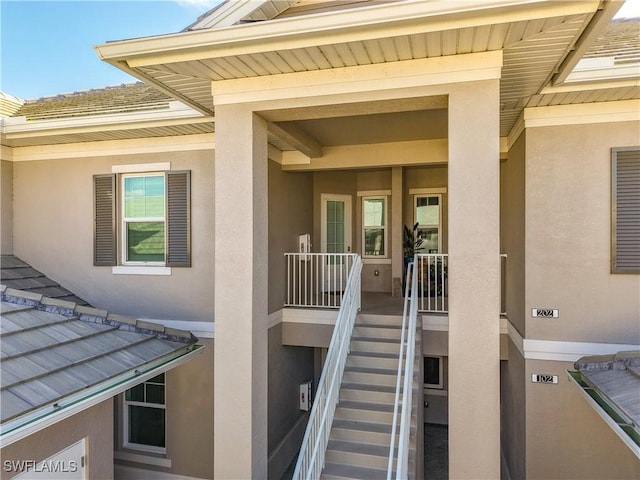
625,210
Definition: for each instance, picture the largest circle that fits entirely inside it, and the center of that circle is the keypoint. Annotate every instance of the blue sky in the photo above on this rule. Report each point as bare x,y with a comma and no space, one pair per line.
46,46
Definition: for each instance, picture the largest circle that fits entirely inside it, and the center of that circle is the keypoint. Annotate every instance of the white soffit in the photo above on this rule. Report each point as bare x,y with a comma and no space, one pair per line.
535,36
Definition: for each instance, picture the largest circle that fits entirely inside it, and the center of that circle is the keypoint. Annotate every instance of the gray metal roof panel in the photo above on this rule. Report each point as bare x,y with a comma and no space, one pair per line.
49,353
12,404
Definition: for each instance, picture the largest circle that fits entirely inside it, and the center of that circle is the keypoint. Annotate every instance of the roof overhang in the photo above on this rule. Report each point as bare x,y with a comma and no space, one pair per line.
536,36
21,427
23,132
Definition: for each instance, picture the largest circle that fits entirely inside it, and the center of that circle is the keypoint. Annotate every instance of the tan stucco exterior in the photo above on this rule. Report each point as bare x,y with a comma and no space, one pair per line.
62,213
568,238
6,202
94,424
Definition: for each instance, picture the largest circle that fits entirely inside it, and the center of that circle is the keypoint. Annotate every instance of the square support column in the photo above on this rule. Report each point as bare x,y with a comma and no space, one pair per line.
474,281
241,303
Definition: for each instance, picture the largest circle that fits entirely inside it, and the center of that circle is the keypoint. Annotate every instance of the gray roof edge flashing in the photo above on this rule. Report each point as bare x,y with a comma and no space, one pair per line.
20,427
94,315
606,408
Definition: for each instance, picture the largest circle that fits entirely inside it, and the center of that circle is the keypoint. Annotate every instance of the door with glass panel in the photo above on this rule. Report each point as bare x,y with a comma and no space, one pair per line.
336,239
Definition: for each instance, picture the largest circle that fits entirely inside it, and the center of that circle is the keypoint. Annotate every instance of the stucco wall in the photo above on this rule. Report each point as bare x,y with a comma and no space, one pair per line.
288,368
290,214
189,419
512,231
568,198
6,207
512,401
95,424
53,231
565,436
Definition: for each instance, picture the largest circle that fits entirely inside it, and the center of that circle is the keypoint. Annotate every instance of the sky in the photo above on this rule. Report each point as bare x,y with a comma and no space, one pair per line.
46,46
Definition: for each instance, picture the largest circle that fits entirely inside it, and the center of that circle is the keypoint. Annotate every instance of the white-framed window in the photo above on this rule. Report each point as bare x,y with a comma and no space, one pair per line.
145,416
374,227
433,373
428,216
143,219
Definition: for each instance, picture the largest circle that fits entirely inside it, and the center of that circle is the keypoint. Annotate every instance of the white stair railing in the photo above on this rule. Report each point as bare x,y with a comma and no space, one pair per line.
316,437
399,460
317,279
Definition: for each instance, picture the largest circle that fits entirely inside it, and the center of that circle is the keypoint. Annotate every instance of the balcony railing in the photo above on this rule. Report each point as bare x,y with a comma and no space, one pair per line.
317,279
433,287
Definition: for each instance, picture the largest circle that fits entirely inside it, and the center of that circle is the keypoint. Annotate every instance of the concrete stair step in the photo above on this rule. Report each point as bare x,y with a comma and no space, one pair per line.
357,454
376,345
364,432
369,376
337,471
372,359
368,393
371,318
372,330
365,411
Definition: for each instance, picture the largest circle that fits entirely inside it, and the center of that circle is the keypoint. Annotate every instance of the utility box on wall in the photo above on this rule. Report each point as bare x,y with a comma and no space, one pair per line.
305,396
304,245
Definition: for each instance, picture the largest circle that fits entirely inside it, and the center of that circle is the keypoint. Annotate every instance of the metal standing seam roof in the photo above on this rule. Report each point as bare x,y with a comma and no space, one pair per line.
612,386
52,350
15,273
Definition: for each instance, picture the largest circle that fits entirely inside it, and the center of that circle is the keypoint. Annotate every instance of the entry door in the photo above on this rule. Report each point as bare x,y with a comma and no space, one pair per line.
336,238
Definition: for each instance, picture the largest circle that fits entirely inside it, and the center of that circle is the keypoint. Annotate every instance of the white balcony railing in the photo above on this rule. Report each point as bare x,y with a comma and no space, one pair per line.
317,279
433,287
314,444
431,272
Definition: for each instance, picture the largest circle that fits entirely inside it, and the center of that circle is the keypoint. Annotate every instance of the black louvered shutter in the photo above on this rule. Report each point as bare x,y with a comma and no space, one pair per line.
179,218
104,223
626,210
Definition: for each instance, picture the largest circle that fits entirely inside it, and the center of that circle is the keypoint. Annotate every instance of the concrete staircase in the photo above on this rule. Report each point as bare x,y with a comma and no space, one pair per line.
361,432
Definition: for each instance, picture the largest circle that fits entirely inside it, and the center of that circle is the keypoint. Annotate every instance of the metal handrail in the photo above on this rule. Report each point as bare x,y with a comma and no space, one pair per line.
399,461
314,444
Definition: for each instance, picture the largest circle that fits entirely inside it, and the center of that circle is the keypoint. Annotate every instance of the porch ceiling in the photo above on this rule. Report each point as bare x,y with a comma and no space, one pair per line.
536,38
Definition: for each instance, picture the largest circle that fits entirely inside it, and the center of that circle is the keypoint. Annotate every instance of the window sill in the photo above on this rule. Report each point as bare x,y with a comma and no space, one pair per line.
144,458
140,270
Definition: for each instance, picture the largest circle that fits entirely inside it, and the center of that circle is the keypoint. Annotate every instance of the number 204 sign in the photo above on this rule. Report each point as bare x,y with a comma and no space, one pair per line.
545,312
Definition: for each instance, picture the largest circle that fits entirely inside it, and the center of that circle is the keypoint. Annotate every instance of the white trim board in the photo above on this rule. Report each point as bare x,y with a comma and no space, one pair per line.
105,148
582,114
199,329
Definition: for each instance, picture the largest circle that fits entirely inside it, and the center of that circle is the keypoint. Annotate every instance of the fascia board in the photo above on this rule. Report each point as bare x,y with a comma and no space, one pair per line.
584,86
228,13
604,74
580,114
176,114
402,18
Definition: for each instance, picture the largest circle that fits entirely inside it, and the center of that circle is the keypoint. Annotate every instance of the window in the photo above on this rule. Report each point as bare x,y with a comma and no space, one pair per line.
427,215
144,416
149,212
433,372
374,226
143,219
625,210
